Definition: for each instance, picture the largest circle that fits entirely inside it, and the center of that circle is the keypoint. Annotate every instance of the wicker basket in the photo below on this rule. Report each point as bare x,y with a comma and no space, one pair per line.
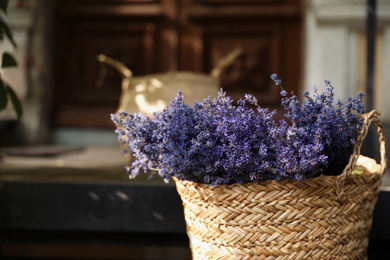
327,217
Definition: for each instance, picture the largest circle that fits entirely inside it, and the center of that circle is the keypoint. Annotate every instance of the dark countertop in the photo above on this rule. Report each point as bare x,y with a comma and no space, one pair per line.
87,190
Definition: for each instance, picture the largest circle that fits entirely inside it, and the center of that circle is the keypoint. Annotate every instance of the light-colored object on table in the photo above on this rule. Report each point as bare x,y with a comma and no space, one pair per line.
366,165
151,93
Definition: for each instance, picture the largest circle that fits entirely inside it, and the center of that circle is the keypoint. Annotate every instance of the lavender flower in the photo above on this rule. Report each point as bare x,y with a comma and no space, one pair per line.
218,142
321,135
275,78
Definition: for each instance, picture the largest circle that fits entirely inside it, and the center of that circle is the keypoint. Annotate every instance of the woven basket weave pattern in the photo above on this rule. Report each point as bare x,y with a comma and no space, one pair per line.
280,220
328,217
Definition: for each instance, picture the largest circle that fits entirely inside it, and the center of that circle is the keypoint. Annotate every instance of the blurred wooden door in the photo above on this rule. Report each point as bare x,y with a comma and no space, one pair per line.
152,36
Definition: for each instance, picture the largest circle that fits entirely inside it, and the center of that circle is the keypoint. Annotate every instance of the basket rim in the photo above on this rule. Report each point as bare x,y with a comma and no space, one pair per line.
329,178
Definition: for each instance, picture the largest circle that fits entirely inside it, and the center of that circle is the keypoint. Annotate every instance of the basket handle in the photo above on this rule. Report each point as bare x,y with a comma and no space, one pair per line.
368,118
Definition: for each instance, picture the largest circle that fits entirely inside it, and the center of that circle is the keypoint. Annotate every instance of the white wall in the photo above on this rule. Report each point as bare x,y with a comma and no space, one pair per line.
335,49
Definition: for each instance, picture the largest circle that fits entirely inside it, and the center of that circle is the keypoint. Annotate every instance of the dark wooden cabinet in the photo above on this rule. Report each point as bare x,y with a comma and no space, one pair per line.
152,36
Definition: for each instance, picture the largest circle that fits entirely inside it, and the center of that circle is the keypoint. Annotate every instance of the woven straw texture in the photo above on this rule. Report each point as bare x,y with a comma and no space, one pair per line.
327,217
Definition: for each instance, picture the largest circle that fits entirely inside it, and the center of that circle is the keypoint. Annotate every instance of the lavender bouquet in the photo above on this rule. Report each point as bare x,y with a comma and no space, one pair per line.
217,141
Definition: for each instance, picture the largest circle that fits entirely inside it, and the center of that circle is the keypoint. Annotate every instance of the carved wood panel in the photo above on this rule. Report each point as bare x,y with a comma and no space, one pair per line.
254,62
132,32
78,88
132,47
267,35
152,36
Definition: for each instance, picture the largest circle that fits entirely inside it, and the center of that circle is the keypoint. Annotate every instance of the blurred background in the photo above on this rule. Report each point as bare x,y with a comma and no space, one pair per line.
67,102
304,42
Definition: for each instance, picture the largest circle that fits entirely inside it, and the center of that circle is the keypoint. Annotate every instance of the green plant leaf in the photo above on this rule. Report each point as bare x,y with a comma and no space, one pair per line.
15,101
8,60
4,29
4,5
3,95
